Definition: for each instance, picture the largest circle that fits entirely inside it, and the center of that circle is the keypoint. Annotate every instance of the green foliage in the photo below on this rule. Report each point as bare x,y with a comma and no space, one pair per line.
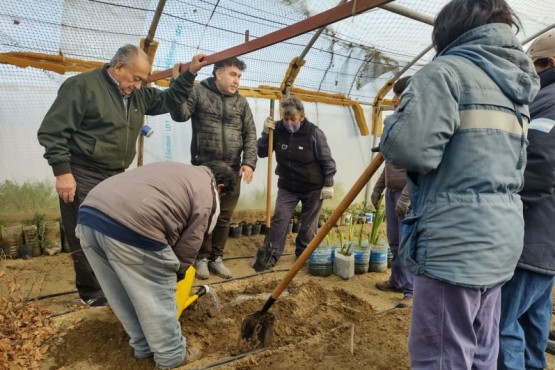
329,237
379,216
29,197
361,235
344,246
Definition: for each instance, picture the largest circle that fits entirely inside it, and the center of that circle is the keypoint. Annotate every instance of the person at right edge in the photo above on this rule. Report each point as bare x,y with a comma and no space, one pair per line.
460,132
526,299
397,203
305,169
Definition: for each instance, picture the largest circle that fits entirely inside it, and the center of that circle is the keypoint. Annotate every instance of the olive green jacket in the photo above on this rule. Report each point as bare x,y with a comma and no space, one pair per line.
87,123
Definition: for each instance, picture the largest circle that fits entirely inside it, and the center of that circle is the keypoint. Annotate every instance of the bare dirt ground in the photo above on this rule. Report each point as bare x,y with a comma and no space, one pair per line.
321,322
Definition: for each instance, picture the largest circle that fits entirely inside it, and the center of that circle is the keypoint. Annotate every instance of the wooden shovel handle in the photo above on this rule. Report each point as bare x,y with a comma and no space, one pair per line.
345,203
269,179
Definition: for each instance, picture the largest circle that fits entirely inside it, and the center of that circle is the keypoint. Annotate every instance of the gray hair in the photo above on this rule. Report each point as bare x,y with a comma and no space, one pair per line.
127,55
292,105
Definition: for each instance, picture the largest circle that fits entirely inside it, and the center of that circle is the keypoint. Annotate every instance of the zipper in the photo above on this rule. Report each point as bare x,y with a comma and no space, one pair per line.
127,131
223,147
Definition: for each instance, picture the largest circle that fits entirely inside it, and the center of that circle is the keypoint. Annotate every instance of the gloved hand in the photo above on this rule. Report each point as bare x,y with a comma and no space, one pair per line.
327,192
269,124
401,208
375,198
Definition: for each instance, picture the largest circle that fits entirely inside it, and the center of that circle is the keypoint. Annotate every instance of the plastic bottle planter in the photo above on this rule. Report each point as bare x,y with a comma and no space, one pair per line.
290,227
26,251
262,226
256,227
12,237
320,262
235,230
296,226
247,229
362,257
344,266
31,237
52,241
378,258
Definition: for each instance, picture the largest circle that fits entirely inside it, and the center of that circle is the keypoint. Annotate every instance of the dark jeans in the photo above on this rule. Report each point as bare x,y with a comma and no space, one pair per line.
286,202
85,280
525,321
213,244
401,277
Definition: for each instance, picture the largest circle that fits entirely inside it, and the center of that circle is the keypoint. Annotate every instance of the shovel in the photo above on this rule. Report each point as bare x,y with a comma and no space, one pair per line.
257,329
264,252
183,288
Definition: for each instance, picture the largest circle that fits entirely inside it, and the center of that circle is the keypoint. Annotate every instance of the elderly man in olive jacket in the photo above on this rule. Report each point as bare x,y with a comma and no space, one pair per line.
90,133
223,129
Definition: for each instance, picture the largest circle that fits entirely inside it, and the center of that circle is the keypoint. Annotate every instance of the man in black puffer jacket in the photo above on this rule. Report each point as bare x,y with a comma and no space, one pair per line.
526,298
223,130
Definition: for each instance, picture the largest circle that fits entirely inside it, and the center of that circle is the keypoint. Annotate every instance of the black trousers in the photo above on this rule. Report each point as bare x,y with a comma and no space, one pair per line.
85,280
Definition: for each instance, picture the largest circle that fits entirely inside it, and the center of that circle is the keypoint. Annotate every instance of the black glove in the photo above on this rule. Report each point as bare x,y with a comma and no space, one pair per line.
180,275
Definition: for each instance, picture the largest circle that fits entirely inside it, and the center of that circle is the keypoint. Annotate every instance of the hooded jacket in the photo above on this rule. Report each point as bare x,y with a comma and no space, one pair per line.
223,127
538,194
460,133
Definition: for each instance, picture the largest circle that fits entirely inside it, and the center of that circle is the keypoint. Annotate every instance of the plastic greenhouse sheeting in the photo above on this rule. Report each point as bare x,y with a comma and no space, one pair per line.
355,57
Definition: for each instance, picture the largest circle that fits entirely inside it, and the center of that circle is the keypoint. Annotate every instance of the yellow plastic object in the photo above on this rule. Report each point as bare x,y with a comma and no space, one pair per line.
183,289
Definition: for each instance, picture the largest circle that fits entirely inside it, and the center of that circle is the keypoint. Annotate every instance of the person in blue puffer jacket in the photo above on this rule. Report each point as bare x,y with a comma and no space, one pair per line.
460,132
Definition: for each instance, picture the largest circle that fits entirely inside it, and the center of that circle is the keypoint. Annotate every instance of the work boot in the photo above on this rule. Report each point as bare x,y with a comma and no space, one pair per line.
405,302
217,266
386,287
202,269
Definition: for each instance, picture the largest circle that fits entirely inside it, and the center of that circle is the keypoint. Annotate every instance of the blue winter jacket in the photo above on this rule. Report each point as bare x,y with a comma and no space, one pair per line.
460,133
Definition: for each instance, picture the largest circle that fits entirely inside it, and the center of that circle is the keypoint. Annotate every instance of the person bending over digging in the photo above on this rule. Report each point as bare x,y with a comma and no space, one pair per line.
460,132
140,231
305,169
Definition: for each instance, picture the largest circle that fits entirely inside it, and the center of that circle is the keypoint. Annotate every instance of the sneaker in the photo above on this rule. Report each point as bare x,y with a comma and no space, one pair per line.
405,302
96,302
193,354
217,266
386,287
202,269
550,347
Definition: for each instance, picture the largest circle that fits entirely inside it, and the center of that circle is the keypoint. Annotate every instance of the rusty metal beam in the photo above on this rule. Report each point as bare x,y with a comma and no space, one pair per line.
323,19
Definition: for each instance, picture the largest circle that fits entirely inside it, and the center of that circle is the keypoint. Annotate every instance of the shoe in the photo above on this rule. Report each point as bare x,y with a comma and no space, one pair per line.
142,356
405,302
96,302
202,269
193,354
386,287
552,335
550,347
217,266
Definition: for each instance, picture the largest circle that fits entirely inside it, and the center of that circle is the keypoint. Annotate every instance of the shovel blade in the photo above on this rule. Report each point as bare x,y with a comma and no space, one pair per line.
257,331
263,255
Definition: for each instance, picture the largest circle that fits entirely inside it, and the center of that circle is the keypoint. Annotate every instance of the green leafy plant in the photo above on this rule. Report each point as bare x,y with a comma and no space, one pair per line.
361,235
344,245
379,216
329,238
